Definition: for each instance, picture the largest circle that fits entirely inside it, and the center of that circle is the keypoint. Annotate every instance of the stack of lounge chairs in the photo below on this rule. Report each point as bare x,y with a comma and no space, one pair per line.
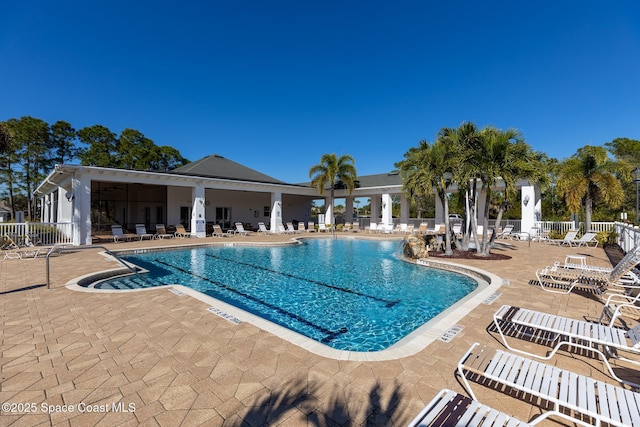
561,394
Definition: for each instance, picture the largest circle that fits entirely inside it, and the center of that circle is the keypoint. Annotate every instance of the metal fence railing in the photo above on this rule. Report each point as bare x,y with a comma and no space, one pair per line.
628,236
36,233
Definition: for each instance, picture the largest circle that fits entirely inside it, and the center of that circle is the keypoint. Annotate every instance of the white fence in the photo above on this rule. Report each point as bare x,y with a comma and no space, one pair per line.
36,233
628,236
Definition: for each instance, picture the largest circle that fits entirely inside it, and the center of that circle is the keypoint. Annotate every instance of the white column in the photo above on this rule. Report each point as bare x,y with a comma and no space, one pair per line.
80,199
328,213
404,209
198,218
528,205
46,204
276,211
387,217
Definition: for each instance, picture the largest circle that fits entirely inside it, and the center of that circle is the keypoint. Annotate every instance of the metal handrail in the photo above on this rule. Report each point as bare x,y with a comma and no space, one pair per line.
79,248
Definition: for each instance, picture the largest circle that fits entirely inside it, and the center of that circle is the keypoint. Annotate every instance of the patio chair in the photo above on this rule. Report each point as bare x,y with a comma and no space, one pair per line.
586,240
311,228
322,228
119,234
401,228
620,279
141,231
346,227
410,229
181,232
217,232
161,232
506,232
568,240
422,229
372,228
240,229
449,408
617,306
290,228
571,333
566,391
262,228
355,227
301,228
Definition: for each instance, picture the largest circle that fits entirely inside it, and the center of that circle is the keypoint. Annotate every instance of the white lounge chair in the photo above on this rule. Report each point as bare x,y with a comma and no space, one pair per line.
346,227
355,227
262,228
560,279
567,332
322,227
506,232
301,228
449,408
372,228
240,229
119,235
588,239
311,228
568,240
217,232
290,228
161,232
141,232
564,390
617,306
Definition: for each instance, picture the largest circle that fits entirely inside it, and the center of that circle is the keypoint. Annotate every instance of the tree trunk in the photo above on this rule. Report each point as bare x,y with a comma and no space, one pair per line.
447,227
486,245
588,206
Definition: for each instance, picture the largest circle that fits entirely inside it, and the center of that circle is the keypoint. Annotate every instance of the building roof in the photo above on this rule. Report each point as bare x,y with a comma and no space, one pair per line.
380,180
216,166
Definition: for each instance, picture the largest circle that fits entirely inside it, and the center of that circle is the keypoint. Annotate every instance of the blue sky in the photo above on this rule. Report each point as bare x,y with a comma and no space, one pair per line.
274,85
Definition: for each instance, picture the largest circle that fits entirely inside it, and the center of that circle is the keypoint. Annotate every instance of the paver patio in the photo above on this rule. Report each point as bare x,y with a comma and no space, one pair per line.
155,358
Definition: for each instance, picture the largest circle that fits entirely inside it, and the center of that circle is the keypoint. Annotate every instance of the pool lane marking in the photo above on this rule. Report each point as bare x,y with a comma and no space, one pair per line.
330,335
387,303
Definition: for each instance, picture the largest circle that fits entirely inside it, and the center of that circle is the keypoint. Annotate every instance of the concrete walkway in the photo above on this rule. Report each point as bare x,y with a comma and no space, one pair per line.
155,358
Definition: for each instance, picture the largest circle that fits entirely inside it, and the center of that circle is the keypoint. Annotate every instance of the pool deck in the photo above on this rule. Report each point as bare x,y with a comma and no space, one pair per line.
169,361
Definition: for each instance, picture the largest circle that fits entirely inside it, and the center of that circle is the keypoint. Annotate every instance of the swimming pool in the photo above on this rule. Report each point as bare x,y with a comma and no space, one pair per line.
348,294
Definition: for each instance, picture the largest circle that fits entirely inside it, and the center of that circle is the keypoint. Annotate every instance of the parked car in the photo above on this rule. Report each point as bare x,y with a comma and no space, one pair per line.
455,218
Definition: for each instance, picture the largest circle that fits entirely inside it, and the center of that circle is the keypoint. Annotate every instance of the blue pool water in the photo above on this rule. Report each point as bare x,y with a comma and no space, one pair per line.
348,294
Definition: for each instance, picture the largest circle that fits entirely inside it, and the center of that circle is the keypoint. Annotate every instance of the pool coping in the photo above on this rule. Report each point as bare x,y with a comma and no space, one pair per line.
413,343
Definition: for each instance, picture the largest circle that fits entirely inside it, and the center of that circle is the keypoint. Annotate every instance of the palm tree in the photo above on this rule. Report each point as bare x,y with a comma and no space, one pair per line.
427,167
332,170
466,140
505,156
588,176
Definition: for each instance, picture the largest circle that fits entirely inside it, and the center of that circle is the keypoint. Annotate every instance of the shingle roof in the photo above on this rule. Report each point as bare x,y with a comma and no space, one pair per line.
216,166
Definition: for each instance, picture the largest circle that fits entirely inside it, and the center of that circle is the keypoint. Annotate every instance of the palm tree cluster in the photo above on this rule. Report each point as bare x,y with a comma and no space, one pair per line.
470,158
332,172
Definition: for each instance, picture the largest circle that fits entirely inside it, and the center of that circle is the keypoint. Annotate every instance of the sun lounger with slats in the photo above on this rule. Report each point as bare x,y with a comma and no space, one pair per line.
566,391
141,231
619,279
568,333
569,239
449,408
161,232
181,232
119,234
